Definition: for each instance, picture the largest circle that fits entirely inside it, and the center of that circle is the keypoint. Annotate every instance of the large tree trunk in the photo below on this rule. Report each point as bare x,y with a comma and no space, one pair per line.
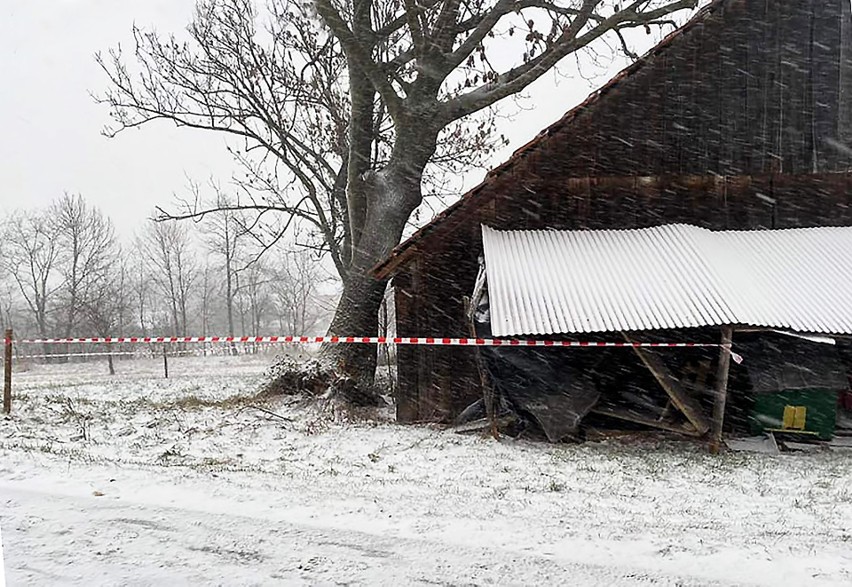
348,370
393,194
356,314
229,296
379,204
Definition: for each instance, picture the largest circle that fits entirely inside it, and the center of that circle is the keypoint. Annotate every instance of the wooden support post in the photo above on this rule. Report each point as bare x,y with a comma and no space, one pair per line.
407,356
165,362
721,395
488,398
684,402
7,379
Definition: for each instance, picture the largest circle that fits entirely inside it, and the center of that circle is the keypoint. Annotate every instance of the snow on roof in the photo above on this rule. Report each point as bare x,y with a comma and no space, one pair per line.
672,276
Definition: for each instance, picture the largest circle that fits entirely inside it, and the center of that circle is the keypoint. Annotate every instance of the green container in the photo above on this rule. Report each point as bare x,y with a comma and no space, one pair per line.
810,412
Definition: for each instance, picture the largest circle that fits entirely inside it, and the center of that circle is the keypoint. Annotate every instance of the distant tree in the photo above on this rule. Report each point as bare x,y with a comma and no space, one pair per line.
139,284
172,268
107,302
224,234
7,303
207,288
87,240
31,255
296,277
255,283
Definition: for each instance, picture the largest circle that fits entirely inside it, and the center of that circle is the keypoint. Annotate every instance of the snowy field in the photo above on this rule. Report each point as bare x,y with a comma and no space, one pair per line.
138,480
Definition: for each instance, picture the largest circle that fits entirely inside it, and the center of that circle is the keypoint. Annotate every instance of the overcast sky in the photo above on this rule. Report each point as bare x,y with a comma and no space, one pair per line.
51,139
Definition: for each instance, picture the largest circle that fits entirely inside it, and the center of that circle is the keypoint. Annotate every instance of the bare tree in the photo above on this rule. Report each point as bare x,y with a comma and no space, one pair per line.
107,303
294,292
7,304
224,235
277,88
207,288
139,284
423,66
31,255
172,265
256,284
87,240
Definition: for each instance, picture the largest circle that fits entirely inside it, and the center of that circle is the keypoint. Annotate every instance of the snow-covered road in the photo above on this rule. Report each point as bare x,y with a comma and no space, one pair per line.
143,482
61,538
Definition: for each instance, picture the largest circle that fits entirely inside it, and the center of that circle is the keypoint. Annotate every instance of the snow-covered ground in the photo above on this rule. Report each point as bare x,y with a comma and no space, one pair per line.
138,480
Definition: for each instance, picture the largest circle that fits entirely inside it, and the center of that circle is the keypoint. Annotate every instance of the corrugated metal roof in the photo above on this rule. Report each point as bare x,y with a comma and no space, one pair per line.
673,276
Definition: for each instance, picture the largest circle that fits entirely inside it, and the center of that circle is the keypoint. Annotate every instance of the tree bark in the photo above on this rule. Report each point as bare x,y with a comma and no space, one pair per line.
362,96
394,193
357,314
229,305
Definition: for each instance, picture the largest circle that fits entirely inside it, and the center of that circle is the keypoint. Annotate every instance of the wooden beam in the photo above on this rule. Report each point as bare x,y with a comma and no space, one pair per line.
680,398
721,389
488,399
651,422
405,302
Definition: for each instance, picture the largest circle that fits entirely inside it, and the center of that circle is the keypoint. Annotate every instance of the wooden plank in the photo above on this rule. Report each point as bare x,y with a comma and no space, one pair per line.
682,400
721,388
488,398
629,416
407,405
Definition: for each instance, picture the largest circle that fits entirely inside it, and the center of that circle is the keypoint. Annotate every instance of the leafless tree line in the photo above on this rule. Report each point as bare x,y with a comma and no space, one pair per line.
66,274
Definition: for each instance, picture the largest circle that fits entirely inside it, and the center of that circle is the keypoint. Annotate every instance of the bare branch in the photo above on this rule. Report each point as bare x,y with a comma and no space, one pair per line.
359,54
569,41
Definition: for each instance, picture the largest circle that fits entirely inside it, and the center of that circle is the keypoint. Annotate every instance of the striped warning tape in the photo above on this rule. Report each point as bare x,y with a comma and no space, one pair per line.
402,340
431,341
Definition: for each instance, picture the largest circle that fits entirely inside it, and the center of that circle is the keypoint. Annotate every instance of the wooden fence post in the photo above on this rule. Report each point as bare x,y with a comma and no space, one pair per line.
165,362
7,380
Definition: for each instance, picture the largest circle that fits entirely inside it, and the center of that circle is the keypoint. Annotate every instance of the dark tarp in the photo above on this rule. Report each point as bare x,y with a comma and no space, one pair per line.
540,382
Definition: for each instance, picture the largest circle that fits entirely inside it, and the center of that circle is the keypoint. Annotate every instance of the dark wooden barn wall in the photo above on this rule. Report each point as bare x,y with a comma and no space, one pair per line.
761,87
757,87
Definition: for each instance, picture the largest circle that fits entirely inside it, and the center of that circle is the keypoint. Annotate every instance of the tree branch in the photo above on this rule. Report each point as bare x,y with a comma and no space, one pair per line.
570,40
360,56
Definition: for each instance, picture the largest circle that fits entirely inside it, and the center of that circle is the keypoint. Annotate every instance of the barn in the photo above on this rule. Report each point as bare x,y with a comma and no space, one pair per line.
739,120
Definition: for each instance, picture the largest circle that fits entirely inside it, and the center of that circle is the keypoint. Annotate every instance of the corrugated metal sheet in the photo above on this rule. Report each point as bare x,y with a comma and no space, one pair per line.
673,276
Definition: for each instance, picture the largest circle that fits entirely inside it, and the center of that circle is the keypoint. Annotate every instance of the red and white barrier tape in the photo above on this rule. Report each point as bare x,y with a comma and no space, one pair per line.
360,340
403,340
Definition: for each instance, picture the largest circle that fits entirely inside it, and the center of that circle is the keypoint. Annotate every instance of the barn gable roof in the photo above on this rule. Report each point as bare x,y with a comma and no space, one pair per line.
479,195
733,64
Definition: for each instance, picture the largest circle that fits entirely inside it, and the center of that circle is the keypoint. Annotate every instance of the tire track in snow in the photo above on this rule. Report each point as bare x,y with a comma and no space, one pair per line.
78,540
